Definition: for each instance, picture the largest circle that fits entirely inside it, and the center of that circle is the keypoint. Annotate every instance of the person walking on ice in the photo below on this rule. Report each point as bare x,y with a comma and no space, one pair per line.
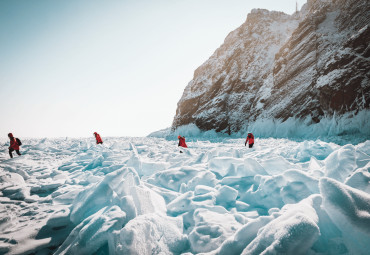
14,145
250,139
182,142
98,138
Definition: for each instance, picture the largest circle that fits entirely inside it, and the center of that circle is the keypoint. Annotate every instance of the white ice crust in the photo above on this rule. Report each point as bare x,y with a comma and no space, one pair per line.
142,196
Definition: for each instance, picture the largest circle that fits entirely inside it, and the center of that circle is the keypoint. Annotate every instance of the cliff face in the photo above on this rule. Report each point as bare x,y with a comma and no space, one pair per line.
311,64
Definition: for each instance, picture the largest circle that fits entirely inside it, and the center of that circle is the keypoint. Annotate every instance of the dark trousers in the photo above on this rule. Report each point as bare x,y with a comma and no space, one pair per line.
251,145
11,154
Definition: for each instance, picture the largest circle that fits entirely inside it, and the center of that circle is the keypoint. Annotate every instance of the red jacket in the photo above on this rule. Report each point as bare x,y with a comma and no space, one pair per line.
98,138
13,144
182,142
250,138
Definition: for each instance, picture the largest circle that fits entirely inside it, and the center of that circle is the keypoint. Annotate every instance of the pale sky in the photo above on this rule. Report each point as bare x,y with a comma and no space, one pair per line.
69,68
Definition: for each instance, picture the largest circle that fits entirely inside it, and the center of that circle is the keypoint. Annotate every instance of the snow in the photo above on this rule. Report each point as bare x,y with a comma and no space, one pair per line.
150,234
293,231
349,208
330,78
141,196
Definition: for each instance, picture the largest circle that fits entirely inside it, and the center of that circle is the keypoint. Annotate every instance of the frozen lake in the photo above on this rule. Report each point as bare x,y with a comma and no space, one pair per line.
141,196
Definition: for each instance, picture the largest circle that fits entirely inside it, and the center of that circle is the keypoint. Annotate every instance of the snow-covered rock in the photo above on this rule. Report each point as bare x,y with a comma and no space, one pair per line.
299,75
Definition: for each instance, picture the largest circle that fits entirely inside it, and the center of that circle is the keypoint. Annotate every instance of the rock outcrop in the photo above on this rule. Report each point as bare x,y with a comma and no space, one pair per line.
310,65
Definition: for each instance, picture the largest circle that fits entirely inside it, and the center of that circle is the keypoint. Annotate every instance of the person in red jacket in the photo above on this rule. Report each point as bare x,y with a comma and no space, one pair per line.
14,146
250,139
182,142
98,138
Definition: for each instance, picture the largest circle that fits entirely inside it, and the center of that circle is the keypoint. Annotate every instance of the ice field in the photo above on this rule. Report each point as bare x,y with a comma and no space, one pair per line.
141,196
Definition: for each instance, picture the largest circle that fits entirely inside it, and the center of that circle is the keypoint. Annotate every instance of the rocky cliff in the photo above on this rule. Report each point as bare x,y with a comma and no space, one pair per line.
311,65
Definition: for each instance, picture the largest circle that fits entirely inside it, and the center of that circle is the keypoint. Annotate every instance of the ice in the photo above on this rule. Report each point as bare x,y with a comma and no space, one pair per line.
211,229
293,231
144,167
276,165
251,168
351,125
19,171
315,166
13,186
93,199
314,149
182,204
205,178
237,243
150,234
360,179
361,158
349,209
121,187
173,178
364,147
93,233
224,165
142,196
226,196
202,189
341,163
148,201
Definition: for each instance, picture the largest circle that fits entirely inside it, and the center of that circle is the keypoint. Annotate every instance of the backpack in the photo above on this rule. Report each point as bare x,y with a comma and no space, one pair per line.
18,141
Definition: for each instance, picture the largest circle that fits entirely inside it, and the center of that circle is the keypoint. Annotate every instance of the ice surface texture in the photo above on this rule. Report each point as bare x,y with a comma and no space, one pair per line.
141,196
